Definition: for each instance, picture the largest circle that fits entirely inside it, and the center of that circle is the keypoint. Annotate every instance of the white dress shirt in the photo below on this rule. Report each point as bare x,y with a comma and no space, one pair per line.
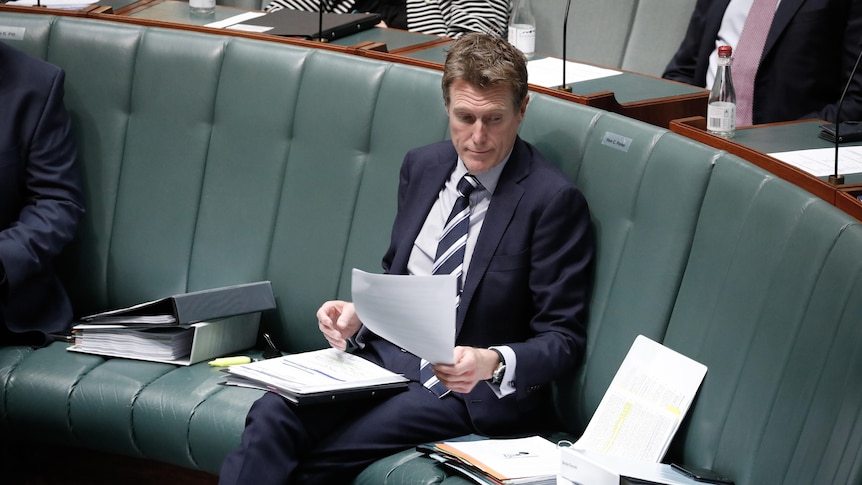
424,250
729,32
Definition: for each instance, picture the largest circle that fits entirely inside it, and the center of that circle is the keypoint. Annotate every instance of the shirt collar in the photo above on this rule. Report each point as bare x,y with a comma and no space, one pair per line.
488,178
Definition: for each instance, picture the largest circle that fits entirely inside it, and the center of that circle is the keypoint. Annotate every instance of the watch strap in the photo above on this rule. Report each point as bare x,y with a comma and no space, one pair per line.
500,370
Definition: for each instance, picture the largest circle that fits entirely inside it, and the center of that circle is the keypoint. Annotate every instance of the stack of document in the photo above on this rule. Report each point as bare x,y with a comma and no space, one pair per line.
318,376
151,343
519,461
181,329
171,344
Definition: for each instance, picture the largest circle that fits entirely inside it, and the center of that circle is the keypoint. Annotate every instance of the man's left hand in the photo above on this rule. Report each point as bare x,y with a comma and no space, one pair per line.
471,366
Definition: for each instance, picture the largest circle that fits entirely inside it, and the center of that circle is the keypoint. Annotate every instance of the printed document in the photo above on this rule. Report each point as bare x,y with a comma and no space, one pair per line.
416,313
529,460
230,22
548,72
645,403
820,162
316,376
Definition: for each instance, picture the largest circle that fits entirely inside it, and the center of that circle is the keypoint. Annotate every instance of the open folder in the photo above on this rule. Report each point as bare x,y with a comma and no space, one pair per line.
328,375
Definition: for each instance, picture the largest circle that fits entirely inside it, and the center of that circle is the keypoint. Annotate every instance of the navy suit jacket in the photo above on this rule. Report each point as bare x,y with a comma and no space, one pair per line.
809,53
528,283
40,194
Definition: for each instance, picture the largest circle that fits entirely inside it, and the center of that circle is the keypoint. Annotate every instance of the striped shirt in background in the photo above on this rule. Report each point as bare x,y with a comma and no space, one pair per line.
450,18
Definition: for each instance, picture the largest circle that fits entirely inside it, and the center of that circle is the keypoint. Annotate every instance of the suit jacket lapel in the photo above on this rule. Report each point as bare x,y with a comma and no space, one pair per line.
432,176
783,15
503,204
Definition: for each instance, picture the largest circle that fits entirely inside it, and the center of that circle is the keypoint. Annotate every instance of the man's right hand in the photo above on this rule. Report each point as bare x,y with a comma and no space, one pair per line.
338,322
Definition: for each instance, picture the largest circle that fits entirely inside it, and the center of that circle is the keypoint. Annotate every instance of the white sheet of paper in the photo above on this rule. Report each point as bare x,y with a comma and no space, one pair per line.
316,371
820,162
515,458
548,72
644,404
416,313
235,19
259,29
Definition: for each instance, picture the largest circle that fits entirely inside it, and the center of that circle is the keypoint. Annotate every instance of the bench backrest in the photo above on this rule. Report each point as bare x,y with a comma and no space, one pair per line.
636,35
771,303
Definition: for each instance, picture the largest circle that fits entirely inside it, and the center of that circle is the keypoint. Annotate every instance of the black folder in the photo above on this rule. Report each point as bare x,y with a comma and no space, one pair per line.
300,23
197,306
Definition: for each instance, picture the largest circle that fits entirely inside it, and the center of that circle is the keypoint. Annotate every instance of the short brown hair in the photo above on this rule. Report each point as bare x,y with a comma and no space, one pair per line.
484,60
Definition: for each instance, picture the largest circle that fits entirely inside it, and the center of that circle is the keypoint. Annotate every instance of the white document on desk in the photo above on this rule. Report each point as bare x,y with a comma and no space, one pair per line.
416,313
820,162
548,72
231,22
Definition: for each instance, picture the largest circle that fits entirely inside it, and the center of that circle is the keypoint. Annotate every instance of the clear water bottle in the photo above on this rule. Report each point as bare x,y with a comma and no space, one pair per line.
721,109
522,28
202,7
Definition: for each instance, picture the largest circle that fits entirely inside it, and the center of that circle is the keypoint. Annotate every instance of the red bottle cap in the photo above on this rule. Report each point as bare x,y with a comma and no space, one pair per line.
724,51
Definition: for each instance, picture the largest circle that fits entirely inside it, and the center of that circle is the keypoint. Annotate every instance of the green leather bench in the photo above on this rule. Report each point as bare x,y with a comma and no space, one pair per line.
212,160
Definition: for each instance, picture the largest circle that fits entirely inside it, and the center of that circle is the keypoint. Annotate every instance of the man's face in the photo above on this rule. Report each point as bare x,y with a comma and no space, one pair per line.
483,124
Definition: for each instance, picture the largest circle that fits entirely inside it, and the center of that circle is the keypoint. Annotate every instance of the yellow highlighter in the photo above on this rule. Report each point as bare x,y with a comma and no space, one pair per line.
227,361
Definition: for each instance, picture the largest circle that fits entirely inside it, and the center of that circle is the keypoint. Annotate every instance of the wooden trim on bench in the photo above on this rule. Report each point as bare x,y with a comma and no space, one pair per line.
846,199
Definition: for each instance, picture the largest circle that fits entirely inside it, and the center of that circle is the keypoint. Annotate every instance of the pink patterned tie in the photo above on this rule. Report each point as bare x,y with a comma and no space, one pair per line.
747,56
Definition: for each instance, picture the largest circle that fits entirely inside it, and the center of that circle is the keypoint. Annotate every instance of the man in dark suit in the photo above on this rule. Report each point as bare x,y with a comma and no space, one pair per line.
525,278
809,53
40,197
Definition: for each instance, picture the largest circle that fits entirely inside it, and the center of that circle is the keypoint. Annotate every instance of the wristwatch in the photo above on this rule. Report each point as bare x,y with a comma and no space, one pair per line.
500,371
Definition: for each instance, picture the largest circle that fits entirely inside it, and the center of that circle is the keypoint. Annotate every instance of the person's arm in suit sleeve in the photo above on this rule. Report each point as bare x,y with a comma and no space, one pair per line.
683,64
52,196
561,278
851,108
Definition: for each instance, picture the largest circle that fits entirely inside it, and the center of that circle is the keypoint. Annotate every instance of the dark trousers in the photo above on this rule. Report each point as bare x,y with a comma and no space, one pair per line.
332,443
31,338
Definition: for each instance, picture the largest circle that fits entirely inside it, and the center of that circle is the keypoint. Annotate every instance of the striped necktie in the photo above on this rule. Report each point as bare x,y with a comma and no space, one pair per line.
747,55
450,260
